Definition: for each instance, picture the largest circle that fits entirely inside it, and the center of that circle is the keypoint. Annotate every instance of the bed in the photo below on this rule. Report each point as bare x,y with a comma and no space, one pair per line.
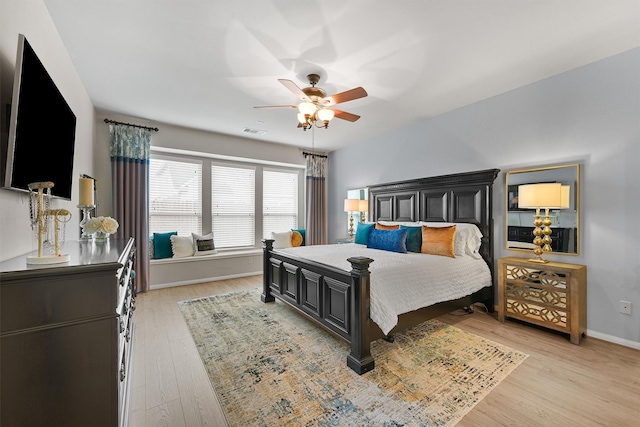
332,284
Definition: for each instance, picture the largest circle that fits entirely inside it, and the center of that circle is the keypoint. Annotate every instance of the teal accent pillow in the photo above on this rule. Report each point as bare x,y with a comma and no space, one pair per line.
414,238
162,245
362,233
301,231
388,240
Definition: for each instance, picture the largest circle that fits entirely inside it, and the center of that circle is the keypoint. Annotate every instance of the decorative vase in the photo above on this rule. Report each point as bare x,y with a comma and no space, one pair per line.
101,236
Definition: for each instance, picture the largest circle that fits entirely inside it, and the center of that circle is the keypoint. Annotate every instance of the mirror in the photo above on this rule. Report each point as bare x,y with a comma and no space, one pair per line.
565,223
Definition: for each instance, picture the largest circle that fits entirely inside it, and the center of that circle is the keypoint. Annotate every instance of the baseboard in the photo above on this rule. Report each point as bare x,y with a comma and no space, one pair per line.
613,339
604,337
203,280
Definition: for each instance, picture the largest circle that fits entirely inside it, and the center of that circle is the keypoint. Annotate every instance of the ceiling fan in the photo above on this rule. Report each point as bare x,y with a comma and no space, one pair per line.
316,107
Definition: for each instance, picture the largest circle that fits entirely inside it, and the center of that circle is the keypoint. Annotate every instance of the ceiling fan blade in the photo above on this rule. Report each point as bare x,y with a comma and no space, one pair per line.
294,89
348,95
345,116
275,106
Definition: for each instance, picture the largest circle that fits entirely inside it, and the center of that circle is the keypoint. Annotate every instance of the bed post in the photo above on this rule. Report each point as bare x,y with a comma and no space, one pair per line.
360,359
267,246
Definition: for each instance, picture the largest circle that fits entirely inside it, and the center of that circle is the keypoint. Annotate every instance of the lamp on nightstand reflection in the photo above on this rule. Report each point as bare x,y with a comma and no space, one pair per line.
351,206
363,207
545,196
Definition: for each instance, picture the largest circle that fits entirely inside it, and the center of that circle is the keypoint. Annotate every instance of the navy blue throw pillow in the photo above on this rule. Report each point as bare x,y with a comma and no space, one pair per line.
388,240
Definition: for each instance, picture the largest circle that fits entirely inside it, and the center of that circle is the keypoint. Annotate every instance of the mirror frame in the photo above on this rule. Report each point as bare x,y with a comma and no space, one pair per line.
575,194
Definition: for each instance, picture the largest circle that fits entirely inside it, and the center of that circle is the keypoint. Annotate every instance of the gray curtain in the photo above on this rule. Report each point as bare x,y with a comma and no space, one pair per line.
130,148
317,229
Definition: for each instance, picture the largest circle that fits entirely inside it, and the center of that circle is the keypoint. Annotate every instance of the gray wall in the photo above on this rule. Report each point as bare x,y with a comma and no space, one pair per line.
589,115
31,18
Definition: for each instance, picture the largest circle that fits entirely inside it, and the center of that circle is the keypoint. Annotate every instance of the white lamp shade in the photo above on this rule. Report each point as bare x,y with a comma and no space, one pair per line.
325,114
363,206
307,108
543,195
565,196
301,118
351,205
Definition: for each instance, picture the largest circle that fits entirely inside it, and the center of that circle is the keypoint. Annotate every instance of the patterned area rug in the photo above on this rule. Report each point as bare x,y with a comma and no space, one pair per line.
271,367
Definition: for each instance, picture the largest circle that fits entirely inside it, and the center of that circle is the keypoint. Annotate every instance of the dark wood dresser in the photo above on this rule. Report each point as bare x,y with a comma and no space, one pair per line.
66,337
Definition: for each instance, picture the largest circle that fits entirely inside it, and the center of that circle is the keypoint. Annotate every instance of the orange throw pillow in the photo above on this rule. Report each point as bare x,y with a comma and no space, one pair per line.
387,227
438,240
296,238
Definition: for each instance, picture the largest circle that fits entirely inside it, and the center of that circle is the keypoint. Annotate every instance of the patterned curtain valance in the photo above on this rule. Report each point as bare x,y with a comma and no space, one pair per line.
316,167
130,143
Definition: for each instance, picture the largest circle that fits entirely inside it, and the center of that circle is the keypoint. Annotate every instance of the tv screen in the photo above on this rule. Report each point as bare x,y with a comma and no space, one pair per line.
42,129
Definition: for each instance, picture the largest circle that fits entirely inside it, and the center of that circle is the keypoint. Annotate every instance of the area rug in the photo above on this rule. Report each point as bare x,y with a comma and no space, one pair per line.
272,367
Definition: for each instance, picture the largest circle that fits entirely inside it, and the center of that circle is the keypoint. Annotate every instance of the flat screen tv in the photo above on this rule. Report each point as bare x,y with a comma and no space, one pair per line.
42,129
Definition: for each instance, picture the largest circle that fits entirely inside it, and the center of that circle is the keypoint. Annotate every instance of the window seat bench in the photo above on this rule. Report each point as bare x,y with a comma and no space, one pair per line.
169,272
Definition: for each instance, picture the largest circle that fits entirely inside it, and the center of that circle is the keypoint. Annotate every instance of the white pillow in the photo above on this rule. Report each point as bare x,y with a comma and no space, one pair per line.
181,246
203,244
281,240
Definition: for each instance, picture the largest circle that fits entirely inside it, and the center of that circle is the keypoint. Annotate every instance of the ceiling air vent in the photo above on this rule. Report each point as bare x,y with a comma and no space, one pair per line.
254,131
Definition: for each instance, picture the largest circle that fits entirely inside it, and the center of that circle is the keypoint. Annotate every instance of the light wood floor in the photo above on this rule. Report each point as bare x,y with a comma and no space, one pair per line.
560,384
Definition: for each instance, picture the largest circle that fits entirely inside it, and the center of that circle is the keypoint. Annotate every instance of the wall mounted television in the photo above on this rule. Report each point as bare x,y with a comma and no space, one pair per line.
42,129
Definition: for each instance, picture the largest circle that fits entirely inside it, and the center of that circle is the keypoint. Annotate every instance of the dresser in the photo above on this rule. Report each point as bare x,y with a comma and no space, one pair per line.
552,295
66,335
561,238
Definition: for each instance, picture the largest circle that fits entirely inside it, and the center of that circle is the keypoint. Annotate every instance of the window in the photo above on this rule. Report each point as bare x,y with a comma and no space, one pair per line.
175,190
240,201
279,201
233,208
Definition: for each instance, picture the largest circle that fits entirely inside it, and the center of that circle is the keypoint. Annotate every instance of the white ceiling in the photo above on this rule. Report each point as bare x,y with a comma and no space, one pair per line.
204,64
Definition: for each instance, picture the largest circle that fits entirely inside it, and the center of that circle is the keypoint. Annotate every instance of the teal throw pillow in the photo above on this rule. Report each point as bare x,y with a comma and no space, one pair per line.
414,238
162,245
301,231
388,240
362,233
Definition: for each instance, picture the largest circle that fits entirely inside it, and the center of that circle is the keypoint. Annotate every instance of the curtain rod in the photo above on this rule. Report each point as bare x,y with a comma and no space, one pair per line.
130,124
304,153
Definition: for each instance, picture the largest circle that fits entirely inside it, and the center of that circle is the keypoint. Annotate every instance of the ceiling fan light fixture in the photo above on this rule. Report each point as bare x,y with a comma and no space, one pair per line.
307,108
325,114
301,118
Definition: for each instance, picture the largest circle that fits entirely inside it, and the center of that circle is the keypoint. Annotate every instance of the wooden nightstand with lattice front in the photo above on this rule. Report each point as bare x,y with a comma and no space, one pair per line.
552,295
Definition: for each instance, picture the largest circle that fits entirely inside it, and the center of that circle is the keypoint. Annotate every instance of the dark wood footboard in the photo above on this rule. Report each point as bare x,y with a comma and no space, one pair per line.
334,298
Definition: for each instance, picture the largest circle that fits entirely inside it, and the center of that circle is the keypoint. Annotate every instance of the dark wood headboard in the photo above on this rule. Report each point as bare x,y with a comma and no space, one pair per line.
461,197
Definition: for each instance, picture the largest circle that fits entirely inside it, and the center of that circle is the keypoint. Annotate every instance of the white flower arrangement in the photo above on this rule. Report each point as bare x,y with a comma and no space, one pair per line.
103,224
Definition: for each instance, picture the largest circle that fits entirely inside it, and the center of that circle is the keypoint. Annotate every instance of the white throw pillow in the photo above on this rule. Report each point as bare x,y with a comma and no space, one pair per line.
181,246
203,244
281,240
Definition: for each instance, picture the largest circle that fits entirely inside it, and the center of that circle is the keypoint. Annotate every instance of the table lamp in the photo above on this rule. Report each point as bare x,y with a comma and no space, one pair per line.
552,195
351,206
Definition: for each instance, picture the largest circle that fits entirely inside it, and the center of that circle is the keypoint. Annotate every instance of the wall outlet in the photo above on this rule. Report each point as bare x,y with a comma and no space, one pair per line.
625,307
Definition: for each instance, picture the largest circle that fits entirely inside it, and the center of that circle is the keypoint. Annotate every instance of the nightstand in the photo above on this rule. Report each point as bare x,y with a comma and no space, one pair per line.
344,240
552,295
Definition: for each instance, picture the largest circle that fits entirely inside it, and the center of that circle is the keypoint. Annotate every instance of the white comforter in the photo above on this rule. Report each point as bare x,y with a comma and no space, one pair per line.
401,283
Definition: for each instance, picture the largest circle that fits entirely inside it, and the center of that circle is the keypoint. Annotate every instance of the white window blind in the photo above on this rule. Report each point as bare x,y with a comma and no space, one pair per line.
280,201
175,190
233,205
